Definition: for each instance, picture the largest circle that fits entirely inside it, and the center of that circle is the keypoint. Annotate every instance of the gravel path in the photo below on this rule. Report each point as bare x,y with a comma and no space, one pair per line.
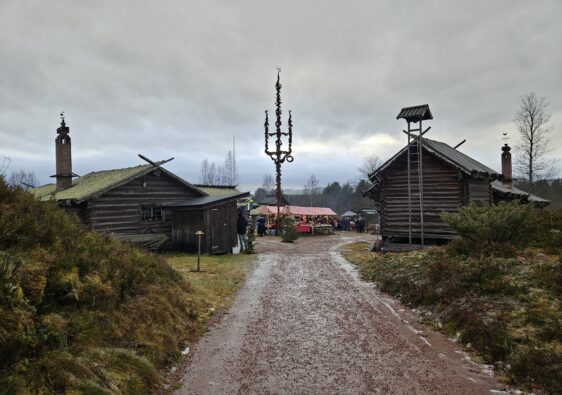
305,324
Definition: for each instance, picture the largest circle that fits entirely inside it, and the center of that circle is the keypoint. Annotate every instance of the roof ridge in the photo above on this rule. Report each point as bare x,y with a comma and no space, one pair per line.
122,168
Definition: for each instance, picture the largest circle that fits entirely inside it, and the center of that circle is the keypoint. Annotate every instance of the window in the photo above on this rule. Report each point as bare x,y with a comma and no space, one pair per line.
151,213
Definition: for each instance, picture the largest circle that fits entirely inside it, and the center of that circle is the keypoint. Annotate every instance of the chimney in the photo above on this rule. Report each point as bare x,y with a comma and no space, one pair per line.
64,159
506,166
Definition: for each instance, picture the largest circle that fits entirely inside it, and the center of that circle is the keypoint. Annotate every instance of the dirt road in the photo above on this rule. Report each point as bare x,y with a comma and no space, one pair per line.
305,324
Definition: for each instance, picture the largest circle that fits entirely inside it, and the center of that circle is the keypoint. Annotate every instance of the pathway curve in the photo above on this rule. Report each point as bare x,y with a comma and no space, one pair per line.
305,324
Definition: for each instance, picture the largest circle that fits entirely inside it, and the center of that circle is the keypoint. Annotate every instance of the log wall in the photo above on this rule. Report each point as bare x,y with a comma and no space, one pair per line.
443,190
479,191
119,210
218,222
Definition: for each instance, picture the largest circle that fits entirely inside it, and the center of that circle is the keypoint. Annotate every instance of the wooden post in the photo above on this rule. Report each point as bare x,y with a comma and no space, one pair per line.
199,234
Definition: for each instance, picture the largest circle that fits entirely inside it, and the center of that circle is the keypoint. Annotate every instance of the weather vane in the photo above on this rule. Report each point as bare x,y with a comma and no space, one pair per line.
279,155
505,138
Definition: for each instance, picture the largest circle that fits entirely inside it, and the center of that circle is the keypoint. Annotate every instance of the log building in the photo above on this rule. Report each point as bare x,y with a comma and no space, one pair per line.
450,179
410,195
137,204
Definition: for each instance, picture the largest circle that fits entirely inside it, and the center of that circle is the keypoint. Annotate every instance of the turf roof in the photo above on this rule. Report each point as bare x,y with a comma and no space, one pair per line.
98,182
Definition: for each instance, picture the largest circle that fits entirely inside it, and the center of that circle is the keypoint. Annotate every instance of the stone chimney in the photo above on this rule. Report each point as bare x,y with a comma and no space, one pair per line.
64,159
506,166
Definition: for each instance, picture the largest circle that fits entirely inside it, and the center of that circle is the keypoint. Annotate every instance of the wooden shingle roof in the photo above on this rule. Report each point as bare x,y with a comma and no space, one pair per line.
450,155
415,113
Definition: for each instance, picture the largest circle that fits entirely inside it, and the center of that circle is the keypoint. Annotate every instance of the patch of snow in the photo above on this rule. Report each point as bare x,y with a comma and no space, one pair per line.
185,351
391,309
417,332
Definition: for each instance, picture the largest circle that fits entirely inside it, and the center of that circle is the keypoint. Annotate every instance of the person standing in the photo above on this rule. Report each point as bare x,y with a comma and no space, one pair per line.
241,226
261,226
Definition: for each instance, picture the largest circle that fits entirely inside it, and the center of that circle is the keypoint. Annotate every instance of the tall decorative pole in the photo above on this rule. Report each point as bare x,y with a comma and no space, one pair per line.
279,156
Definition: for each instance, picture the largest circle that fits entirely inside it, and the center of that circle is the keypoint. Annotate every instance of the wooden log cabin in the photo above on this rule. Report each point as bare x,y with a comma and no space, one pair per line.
136,204
449,179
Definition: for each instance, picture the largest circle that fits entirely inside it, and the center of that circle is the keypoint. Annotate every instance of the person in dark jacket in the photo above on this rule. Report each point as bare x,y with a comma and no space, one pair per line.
261,226
241,226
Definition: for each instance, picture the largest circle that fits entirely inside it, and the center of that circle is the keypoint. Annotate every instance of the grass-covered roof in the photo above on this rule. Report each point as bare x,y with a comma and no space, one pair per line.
98,182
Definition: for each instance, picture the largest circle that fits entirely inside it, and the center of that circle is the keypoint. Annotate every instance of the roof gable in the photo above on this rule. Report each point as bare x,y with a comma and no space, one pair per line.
97,183
448,154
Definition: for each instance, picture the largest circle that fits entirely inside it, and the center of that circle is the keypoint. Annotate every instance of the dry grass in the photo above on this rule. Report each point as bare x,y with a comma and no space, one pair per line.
215,287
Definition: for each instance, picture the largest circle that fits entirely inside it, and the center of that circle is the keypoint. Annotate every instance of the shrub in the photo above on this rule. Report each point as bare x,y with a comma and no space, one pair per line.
487,228
79,311
546,231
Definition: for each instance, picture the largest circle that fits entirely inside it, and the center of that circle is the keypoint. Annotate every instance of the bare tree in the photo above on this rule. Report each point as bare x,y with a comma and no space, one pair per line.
267,183
230,172
369,165
311,187
531,122
204,173
4,165
212,174
23,179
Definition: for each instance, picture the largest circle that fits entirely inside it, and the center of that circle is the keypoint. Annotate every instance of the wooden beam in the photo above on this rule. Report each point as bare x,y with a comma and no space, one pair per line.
459,144
154,164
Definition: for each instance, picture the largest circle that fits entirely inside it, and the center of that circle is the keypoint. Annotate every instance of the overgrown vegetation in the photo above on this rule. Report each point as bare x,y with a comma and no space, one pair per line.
498,289
81,312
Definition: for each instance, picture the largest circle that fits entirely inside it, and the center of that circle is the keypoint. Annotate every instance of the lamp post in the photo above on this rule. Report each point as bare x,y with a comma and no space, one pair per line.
199,234
279,156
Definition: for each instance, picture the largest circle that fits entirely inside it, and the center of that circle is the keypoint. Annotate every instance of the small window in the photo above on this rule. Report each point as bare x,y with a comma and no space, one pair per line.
151,213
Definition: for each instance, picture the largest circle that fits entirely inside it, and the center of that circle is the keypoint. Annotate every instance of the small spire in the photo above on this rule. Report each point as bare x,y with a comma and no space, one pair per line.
62,128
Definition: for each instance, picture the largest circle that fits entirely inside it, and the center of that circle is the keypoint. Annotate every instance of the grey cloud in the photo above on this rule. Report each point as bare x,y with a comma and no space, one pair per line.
180,78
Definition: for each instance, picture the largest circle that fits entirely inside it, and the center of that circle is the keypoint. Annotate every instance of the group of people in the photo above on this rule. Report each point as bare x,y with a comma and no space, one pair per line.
345,223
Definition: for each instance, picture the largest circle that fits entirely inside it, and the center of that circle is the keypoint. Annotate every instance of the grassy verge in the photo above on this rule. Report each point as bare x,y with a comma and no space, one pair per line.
507,309
214,288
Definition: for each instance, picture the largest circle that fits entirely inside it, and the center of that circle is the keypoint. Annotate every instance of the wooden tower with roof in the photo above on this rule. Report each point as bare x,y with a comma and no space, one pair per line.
415,115
421,181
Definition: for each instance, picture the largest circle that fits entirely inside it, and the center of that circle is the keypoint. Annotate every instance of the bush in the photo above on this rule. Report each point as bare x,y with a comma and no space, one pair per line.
487,228
81,312
546,231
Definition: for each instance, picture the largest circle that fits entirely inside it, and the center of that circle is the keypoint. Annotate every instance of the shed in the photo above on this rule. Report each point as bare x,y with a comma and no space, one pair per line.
215,215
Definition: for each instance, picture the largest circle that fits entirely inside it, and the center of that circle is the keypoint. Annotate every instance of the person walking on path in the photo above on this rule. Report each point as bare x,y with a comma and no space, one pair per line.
241,225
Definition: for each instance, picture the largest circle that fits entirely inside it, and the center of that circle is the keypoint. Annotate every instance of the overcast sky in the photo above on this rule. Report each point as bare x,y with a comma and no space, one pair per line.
181,78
